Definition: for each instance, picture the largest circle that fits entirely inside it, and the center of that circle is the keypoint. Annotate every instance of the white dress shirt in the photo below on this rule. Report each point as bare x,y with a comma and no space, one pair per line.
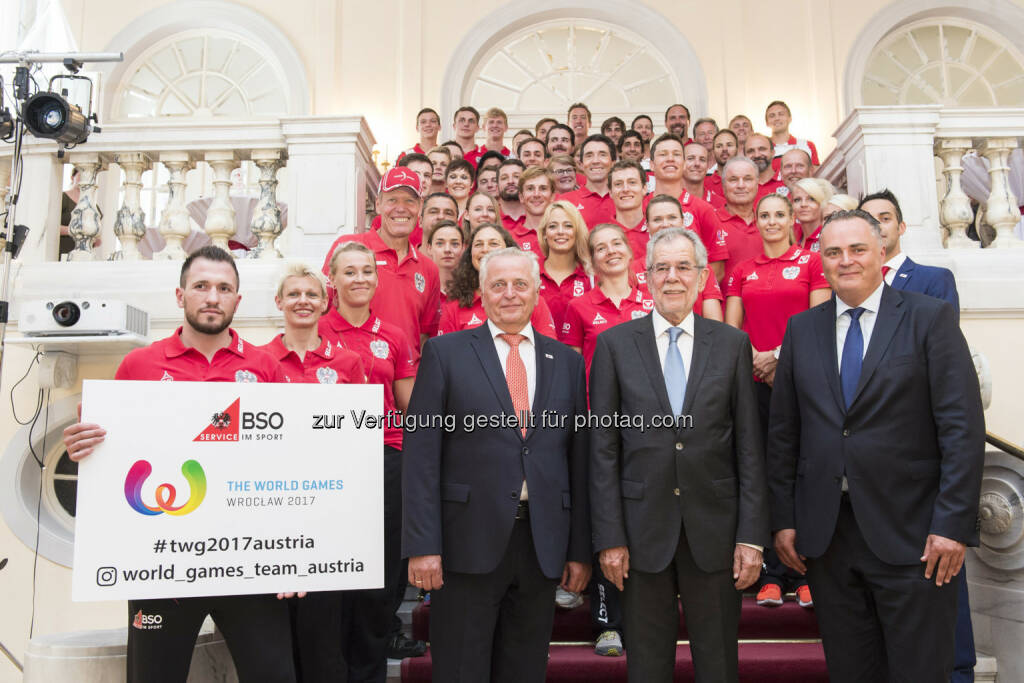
894,264
527,352
867,321
684,342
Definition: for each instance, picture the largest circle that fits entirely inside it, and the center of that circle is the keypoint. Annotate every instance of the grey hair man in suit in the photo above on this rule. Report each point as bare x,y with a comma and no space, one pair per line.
677,509
876,445
495,513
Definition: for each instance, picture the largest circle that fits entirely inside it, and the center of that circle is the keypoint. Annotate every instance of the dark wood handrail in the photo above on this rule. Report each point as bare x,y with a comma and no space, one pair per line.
1004,445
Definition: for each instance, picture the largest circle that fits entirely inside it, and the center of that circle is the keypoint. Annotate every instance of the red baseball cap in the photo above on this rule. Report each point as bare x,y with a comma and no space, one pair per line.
398,177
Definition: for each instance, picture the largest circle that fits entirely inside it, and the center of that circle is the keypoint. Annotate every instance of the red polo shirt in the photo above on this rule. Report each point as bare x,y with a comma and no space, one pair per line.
808,242
593,313
386,356
774,185
713,183
711,289
416,149
170,360
637,235
473,157
558,295
596,208
792,143
327,364
742,239
408,292
699,216
772,290
415,237
455,318
526,238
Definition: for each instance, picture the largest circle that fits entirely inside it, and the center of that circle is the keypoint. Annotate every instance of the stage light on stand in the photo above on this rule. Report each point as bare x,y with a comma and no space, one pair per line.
48,115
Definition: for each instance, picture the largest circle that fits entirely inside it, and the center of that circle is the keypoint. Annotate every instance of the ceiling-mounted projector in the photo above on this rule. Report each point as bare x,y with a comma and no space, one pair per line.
81,317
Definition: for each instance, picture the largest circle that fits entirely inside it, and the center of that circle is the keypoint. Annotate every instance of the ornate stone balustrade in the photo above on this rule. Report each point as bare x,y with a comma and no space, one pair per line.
330,178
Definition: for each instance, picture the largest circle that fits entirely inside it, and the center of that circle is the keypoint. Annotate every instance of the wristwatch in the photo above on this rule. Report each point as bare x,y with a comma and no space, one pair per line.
776,351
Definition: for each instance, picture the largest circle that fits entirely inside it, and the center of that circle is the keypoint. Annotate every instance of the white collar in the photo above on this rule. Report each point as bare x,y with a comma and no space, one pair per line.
896,262
661,325
526,331
872,303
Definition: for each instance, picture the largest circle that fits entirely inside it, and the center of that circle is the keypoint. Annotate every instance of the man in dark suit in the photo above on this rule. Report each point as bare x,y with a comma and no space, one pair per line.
875,452
900,272
678,509
496,512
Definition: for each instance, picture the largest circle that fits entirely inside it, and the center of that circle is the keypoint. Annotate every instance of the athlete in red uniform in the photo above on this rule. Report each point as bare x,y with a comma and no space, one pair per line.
763,293
778,117
428,125
203,349
481,208
536,192
439,158
578,118
593,201
458,182
513,213
305,355
736,221
464,308
445,243
389,358
495,126
724,146
677,121
809,197
409,295
466,123
565,269
564,169
612,301
663,212
487,180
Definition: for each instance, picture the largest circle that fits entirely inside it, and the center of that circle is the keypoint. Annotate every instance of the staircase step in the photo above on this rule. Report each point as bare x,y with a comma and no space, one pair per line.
776,662
788,622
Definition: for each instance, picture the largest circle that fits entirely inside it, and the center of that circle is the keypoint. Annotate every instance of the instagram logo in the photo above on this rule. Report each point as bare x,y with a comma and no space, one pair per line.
165,493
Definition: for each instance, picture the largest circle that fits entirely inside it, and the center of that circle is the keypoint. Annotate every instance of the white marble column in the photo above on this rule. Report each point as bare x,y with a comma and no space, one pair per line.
266,220
955,213
85,217
1001,210
175,225
220,218
130,225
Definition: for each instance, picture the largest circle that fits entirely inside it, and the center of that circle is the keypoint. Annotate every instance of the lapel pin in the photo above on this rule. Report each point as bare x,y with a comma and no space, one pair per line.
548,355
903,274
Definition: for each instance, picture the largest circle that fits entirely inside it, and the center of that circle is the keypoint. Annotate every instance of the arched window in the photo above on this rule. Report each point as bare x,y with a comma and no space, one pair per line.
945,60
202,73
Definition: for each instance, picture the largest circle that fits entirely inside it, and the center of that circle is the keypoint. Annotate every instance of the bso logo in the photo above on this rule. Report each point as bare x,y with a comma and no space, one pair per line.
262,420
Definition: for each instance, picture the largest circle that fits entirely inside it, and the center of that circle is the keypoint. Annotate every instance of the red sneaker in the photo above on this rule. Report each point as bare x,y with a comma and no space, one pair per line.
803,596
770,595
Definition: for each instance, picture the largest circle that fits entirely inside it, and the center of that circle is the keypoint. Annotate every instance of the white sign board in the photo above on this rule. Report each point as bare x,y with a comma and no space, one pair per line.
222,488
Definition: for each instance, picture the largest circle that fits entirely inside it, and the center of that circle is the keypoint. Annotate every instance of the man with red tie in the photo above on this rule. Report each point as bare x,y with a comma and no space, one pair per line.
497,516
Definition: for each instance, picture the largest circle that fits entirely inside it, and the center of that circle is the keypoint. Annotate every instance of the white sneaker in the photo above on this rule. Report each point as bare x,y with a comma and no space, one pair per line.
567,600
609,644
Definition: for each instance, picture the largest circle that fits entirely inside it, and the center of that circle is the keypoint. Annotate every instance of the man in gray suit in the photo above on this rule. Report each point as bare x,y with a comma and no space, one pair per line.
681,508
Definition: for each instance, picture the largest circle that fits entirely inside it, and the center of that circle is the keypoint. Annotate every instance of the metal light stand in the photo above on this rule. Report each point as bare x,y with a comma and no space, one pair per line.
73,61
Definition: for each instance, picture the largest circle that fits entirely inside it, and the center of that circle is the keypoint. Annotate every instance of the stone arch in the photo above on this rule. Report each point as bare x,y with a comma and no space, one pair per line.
1003,17
511,18
179,17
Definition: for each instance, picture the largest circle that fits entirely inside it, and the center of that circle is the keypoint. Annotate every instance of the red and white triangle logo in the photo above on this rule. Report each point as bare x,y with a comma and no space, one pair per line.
223,426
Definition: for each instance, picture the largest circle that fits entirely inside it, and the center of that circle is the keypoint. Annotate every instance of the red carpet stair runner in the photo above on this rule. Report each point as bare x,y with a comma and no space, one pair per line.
777,645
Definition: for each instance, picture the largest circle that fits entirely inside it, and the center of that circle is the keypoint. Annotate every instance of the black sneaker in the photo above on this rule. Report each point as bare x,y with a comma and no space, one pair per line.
401,646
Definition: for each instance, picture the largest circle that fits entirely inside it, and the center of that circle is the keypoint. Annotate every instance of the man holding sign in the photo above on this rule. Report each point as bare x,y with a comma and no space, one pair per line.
162,632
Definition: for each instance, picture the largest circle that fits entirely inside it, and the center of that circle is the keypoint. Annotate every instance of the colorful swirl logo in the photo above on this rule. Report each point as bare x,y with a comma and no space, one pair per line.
165,493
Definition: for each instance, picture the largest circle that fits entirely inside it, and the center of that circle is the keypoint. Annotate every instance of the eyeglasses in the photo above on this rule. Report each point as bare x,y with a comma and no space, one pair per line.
564,171
684,269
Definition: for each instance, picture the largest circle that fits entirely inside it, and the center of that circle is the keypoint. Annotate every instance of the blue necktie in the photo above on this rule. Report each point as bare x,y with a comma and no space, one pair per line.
853,356
675,374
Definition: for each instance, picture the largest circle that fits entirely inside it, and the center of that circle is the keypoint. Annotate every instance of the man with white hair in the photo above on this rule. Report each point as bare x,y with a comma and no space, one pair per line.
677,509
492,537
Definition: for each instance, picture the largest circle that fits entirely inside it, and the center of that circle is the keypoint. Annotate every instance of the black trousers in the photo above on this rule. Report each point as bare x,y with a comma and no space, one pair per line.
711,605
878,621
162,635
495,626
343,635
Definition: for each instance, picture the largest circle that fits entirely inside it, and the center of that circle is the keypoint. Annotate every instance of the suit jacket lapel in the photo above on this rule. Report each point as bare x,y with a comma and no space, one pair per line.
648,352
545,371
890,313
483,346
826,334
698,362
903,275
